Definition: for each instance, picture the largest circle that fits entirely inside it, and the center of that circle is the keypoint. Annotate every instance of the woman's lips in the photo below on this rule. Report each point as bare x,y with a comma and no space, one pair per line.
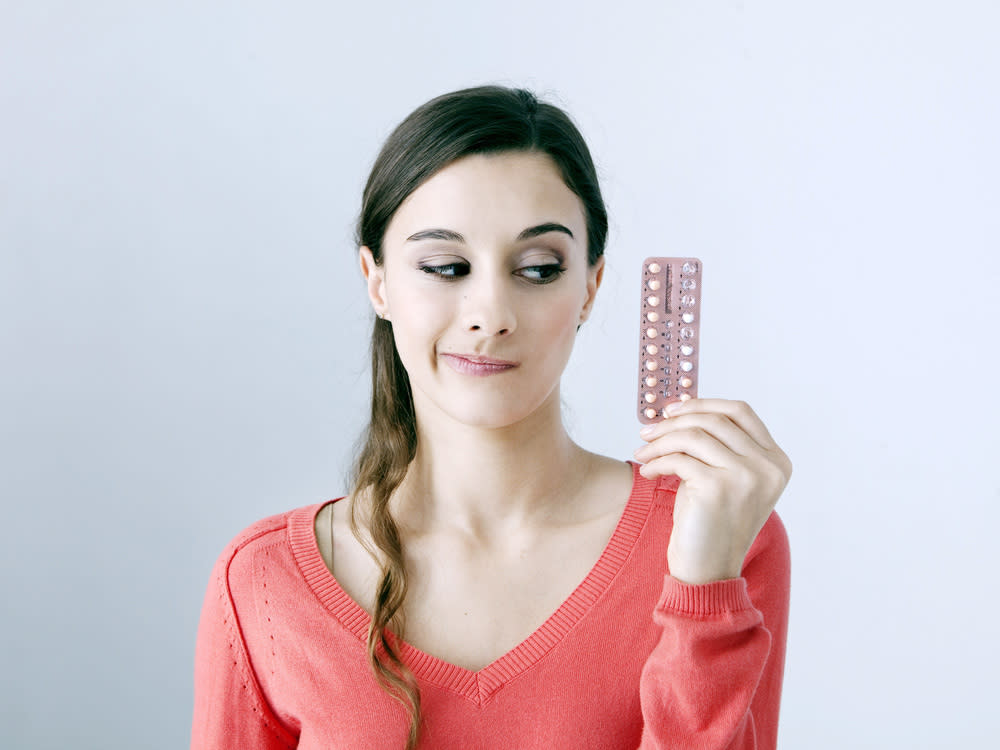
482,366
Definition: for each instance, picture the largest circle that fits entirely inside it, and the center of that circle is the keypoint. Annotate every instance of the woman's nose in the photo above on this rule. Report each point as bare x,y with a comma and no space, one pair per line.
488,308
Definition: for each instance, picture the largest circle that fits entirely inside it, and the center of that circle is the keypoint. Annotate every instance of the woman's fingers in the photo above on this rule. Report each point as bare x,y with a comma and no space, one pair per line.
713,438
680,464
732,424
739,412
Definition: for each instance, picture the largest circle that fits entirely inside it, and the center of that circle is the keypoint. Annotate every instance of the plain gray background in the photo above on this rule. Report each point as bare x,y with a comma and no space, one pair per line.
184,327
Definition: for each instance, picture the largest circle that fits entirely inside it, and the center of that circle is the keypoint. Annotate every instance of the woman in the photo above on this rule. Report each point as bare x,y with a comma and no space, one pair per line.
488,583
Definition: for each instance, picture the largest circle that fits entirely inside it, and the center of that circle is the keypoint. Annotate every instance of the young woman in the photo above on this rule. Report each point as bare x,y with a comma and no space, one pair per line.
487,582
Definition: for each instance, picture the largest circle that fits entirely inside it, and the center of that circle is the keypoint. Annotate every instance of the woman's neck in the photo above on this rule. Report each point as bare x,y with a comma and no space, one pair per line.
489,483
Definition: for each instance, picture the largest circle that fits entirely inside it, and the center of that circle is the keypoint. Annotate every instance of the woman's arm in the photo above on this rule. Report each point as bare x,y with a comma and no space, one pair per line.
713,681
229,710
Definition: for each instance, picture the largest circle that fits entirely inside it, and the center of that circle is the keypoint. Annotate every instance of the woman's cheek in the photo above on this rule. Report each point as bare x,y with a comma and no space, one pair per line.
561,321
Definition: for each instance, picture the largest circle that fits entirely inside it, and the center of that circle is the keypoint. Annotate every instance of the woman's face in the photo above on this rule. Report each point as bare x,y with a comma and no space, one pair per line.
486,259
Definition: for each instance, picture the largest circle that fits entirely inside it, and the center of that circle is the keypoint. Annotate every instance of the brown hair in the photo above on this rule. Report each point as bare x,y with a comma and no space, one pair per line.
485,119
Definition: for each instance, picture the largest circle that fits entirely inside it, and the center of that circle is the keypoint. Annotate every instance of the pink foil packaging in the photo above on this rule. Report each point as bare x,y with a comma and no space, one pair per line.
669,334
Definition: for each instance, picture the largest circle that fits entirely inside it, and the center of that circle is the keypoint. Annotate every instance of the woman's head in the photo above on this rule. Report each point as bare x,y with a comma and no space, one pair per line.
474,198
486,260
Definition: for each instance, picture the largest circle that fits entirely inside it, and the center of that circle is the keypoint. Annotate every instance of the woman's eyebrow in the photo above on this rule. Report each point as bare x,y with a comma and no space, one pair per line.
452,236
551,226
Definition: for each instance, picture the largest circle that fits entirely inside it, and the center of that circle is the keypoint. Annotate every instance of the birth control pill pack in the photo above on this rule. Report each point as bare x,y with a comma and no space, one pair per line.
669,340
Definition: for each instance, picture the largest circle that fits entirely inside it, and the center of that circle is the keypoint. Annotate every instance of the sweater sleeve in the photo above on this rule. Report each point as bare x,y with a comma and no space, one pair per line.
713,680
230,711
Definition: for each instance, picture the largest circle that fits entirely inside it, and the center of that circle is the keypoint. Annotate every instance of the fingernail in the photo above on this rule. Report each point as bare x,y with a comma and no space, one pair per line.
647,430
675,407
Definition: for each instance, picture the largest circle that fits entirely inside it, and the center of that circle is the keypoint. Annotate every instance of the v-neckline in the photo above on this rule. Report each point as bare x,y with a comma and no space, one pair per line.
478,685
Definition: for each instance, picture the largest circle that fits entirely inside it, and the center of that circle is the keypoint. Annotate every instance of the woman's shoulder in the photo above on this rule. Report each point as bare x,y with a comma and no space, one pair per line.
275,531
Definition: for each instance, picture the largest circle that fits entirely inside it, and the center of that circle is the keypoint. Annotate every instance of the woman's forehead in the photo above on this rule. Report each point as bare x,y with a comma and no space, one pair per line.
494,194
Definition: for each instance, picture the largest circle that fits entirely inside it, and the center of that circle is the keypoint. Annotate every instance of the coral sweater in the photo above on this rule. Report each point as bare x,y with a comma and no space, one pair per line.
633,658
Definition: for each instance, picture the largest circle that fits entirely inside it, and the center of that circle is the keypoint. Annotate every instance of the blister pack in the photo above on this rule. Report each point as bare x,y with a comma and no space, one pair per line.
669,340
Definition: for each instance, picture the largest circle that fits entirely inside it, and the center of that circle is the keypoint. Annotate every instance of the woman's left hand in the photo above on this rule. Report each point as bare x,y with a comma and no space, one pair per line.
732,474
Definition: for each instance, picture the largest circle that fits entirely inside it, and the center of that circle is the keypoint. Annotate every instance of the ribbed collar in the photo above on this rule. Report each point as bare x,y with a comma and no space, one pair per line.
478,686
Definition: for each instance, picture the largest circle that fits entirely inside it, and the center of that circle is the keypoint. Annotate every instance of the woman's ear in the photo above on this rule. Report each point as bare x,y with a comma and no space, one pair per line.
375,278
595,274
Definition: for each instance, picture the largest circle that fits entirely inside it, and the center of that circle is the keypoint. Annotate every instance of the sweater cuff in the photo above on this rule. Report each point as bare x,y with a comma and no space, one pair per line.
705,599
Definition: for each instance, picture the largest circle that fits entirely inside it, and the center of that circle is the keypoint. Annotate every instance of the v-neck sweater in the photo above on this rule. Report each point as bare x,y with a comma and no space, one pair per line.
633,658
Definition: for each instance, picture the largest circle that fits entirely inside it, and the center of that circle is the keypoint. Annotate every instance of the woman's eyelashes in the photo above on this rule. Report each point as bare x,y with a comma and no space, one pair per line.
546,273
446,270
538,274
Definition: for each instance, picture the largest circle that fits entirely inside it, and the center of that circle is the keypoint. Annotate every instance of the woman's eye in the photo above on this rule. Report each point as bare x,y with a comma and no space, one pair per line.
535,274
542,274
447,271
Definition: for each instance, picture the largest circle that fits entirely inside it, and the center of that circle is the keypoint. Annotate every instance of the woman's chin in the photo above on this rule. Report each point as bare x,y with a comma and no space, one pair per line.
489,416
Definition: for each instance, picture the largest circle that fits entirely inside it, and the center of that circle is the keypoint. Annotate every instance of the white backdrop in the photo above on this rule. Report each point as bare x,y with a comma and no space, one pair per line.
184,328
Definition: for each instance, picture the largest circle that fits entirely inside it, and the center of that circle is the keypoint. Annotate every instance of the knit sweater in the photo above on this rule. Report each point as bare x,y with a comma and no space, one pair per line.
634,658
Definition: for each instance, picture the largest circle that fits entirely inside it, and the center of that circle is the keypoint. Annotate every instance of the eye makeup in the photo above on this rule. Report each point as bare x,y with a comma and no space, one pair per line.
550,272
445,270
547,272
669,334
